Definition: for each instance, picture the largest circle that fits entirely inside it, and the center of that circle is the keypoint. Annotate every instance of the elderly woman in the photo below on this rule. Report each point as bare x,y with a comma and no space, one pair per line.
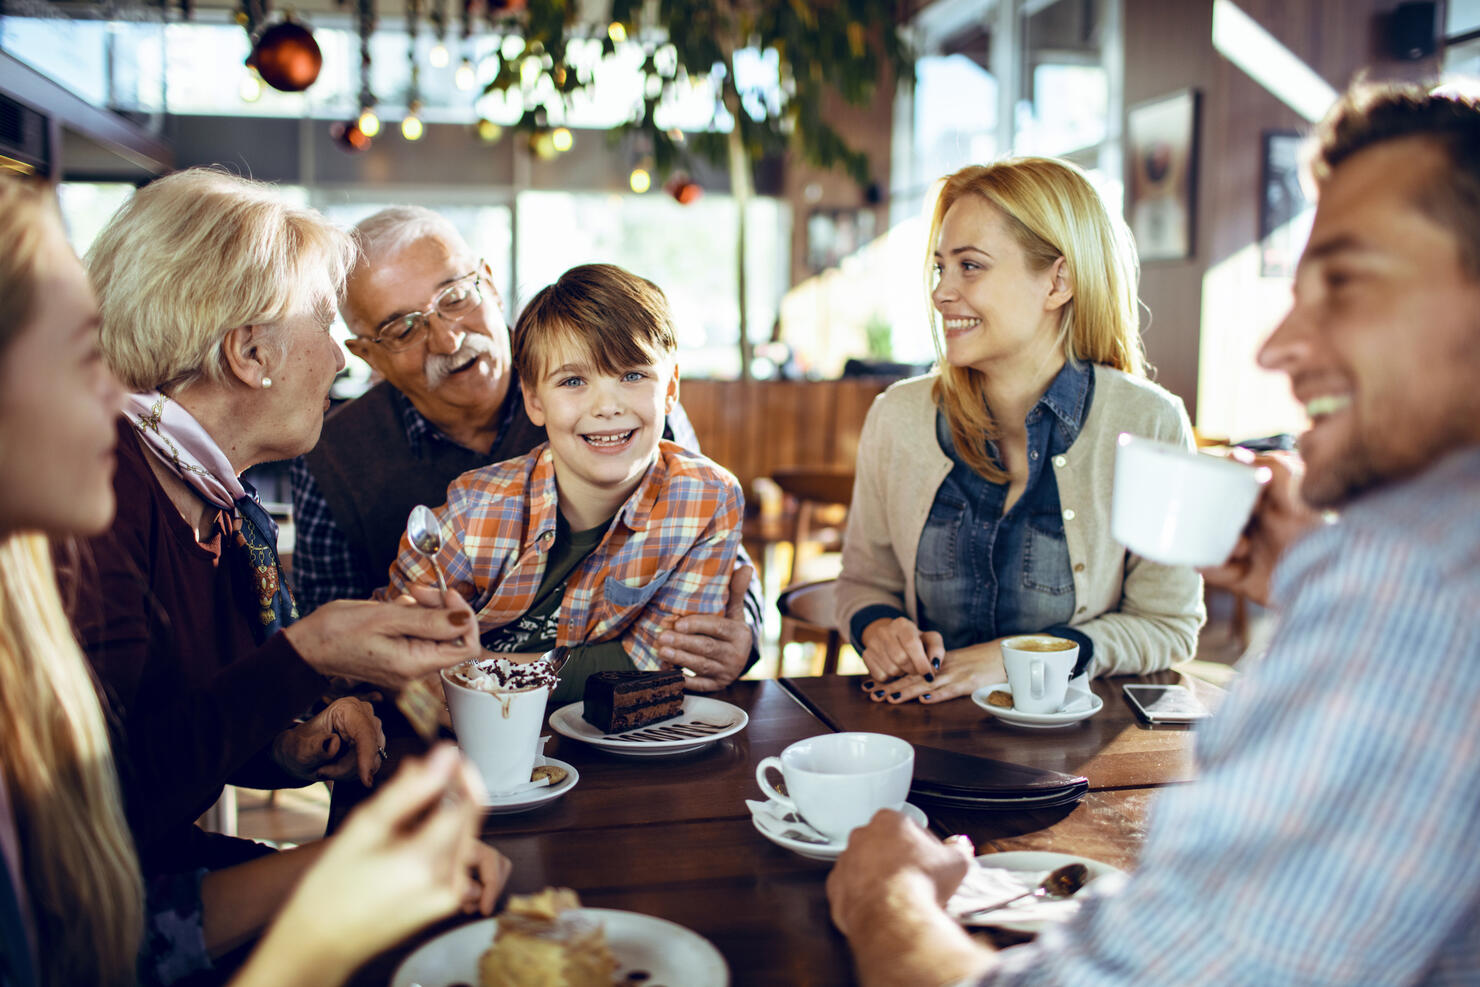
981,507
216,299
72,904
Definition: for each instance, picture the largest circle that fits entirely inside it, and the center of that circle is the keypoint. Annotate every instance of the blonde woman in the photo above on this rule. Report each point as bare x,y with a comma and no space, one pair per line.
216,299
982,501
72,903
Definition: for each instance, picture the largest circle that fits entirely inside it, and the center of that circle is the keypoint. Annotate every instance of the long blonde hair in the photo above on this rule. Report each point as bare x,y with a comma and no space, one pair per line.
1052,211
81,872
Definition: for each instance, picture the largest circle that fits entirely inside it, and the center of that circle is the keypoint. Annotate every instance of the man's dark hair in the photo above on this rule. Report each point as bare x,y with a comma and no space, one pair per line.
1375,113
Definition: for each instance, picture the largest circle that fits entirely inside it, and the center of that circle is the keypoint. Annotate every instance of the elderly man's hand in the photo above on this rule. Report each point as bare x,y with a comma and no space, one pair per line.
1279,518
388,644
715,649
345,738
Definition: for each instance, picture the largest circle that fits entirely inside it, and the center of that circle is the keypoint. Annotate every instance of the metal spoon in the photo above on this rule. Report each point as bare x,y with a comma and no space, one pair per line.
425,535
1062,882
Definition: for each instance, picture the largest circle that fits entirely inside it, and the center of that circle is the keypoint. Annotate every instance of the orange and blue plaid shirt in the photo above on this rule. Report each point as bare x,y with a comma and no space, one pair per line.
668,552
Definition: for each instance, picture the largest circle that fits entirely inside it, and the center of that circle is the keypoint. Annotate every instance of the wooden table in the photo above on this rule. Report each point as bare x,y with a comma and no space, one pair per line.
671,837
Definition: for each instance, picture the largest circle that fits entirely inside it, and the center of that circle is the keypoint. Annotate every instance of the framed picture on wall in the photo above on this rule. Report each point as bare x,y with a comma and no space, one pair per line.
1285,213
1161,145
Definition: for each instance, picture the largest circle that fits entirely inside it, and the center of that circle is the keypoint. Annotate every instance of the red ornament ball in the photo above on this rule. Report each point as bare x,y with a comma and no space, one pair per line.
287,57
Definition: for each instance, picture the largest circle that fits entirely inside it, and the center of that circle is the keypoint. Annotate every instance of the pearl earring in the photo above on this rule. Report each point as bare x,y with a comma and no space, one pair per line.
266,381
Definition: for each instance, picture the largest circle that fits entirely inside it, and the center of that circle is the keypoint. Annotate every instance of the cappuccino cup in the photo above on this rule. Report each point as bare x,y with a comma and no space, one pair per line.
498,709
1038,669
1179,507
837,781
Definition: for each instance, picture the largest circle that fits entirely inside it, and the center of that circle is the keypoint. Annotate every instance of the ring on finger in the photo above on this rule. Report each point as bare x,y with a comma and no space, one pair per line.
380,752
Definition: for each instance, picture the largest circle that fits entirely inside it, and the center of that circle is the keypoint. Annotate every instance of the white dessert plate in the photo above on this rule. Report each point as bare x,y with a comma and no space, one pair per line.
821,851
567,722
1029,867
667,952
1078,705
507,805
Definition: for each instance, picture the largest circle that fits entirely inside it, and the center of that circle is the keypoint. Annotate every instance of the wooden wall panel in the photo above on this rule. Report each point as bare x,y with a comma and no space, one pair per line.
751,428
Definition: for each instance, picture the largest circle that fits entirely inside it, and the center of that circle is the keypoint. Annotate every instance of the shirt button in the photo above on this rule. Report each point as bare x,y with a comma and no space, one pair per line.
1068,514
1033,454
1079,567
1059,461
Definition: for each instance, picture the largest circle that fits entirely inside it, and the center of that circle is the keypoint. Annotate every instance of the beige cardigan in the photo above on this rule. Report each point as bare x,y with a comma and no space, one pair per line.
1142,616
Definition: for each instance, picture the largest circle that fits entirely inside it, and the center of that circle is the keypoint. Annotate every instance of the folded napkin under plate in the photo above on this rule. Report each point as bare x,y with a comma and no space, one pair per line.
971,782
999,876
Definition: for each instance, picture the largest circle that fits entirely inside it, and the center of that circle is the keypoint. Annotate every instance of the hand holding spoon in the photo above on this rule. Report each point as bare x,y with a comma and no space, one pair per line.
1062,882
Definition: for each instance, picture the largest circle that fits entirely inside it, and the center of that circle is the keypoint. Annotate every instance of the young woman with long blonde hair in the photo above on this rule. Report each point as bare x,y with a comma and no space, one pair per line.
982,501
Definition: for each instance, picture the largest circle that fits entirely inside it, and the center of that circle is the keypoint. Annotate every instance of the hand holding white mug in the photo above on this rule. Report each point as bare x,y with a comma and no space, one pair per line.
1280,517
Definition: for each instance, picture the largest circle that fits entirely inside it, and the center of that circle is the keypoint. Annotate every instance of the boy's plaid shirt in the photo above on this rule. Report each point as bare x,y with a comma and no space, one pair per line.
669,551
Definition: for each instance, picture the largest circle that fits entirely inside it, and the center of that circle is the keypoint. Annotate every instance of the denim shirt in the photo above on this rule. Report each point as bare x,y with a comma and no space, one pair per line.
980,574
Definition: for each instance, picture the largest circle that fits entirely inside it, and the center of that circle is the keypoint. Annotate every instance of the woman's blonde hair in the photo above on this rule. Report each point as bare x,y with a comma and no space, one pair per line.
1052,211
199,253
81,873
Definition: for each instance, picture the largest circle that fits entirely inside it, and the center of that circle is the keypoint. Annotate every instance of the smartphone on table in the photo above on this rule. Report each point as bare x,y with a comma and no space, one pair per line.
1165,703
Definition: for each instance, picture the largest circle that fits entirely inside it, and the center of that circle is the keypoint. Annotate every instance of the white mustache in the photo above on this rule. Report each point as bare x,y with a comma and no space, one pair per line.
438,366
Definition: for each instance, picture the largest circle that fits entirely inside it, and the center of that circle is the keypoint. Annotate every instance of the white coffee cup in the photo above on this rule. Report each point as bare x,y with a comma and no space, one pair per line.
1038,669
837,781
498,731
1179,507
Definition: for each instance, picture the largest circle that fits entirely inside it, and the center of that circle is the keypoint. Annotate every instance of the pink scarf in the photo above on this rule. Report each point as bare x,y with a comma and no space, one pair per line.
173,434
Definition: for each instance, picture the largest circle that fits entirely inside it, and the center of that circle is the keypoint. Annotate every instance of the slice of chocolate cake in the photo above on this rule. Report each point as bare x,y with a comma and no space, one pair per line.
617,701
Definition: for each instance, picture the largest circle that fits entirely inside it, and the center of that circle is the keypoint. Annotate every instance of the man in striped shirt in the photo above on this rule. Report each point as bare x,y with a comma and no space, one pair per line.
1331,835
604,536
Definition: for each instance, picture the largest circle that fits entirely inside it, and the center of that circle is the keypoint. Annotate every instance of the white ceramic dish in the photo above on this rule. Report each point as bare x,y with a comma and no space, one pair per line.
567,722
822,851
507,805
667,952
1079,705
1033,866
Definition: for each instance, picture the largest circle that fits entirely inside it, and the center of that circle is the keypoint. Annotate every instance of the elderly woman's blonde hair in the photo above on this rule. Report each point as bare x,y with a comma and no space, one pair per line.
197,254
1052,211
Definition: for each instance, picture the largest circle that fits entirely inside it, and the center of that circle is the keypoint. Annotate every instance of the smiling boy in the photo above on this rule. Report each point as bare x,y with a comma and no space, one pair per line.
604,535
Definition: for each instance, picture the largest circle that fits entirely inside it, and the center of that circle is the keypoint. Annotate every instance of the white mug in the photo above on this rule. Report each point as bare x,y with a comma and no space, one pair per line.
837,781
1179,507
498,731
1038,669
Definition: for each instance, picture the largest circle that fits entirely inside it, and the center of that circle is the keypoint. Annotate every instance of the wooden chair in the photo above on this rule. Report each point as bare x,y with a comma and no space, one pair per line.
807,608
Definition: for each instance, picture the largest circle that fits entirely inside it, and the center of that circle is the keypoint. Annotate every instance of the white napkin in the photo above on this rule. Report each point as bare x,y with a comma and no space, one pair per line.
984,885
771,816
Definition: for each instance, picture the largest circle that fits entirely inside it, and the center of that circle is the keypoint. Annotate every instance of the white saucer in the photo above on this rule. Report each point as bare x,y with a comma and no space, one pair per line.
1033,866
1080,705
567,722
826,851
505,805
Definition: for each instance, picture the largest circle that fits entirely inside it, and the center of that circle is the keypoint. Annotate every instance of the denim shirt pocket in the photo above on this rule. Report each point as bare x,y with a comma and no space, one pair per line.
936,557
622,598
1046,566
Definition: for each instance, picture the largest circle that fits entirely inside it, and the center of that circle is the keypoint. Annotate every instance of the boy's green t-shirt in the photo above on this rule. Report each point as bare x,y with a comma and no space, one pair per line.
536,629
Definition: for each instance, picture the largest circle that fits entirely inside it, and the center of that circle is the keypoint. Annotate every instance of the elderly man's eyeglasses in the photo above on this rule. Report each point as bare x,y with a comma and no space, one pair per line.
453,303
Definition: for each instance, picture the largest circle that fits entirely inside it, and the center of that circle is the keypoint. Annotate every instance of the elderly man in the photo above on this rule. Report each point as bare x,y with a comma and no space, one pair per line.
1331,836
449,402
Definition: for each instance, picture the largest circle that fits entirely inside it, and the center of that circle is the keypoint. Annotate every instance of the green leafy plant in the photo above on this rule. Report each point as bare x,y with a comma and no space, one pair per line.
850,47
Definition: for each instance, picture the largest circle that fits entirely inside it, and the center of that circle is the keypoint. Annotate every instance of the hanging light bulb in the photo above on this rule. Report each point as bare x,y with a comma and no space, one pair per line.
640,180
466,76
488,131
562,139
251,87
411,127
438,56
368,123
617,32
